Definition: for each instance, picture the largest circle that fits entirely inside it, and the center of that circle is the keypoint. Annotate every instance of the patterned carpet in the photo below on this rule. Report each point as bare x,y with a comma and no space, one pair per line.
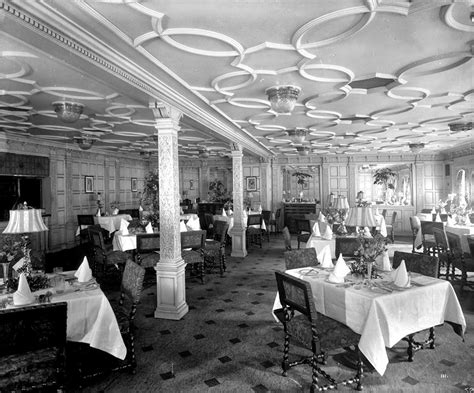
229,342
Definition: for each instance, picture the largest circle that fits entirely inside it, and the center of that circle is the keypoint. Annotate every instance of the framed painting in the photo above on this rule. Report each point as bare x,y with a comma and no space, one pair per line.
134,184
251,183
89,184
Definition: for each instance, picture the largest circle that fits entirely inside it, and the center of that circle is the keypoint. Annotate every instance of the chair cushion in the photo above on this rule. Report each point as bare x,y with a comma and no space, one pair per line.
191,256
116,257
332,334
254,231
212,245
149,259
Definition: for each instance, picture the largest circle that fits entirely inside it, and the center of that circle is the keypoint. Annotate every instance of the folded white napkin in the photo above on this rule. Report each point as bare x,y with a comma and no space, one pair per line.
433,211
149,228
324,257
124,226
84,273
438,218
321,217
230,212
450,221
182,227
224,214
327,233
115,212
316,231
140,208
340,271
400,276
193,224
98,213
23,295
367,232
383,262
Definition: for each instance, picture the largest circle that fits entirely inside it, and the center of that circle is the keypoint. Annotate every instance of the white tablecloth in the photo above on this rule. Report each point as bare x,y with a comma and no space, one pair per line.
463,231
112,223
319,243
124,242
381,318
91,320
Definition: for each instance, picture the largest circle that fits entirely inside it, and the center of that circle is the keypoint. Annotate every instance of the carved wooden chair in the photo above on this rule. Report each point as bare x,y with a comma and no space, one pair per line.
192,250
214,249
254,232
304,230
390,225
442,251
147,251
346,245
429,266
32,348
315,331
460,260
301,258
429,243
84,221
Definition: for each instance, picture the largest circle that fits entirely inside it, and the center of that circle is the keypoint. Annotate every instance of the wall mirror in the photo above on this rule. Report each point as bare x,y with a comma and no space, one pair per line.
386,184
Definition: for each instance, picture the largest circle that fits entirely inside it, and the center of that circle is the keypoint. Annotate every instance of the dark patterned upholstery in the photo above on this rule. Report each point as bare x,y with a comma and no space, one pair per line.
105,259
287,238
147,251
429,243
301,258
304,230
192,250
442,250
312,329
32,348
460,260
254,234
214,250
428,266
346,245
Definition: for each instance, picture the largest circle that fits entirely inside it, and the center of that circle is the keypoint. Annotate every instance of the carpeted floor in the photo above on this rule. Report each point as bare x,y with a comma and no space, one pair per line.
229,342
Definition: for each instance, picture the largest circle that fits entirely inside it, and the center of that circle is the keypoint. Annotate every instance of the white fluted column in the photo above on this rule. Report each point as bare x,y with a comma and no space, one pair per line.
170,280
239,248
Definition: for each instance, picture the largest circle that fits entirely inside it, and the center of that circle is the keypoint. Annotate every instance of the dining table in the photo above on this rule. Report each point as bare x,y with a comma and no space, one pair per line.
109,223
463,230
90,317
379,311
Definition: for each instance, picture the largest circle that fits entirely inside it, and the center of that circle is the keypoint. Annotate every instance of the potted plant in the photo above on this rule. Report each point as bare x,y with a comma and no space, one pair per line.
386,177
301,178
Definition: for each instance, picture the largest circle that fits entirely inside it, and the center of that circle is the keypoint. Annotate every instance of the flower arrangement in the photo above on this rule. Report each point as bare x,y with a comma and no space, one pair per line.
369,249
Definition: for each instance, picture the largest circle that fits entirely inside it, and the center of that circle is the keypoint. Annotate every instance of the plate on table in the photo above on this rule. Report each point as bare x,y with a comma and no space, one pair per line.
334,283
309,272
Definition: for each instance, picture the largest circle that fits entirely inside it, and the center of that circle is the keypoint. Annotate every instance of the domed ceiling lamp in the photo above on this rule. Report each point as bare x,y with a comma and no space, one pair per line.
457,127
85,143
303,150
283,98
416,148
297,135
145,154
68,112
204,153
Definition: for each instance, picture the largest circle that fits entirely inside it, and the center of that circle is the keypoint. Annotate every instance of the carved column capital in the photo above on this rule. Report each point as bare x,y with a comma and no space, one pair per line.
165,115
235,147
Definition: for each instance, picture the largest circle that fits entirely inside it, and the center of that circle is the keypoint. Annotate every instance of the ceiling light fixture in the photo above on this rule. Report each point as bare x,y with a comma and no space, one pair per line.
85,143
416,148
204,153
457,127
303,150
282,98
297,135
68,112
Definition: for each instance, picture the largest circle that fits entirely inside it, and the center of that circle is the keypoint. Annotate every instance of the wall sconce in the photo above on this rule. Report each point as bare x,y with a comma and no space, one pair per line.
68,112
191,184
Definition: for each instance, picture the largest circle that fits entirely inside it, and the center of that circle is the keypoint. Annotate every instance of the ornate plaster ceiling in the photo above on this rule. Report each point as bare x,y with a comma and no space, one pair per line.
375,75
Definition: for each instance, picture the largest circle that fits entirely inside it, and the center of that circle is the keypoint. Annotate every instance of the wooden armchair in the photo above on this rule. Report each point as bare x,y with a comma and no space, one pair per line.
192,250
315,331
32,348
254,232
214,249
147,251
461,260
304,230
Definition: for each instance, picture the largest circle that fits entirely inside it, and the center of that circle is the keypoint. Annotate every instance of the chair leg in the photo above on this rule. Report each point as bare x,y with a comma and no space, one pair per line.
285,364
410,347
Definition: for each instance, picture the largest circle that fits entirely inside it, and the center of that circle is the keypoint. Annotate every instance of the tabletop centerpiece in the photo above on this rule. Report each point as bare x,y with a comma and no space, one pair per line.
369,249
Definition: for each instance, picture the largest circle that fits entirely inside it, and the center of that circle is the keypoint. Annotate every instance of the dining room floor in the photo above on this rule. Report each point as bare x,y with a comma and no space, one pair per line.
230,342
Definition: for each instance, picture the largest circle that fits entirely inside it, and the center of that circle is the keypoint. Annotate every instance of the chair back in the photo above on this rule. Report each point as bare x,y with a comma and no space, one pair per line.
148,242
193,239
444,217
347,245
96,237
301,258
32,348
417,263
454,242
415,224
131,286
287,238
440,238
85,220
427,227
278,213
311,216
303,225
220,230
470,242
267,216
384,214
394,218
254,219
296,294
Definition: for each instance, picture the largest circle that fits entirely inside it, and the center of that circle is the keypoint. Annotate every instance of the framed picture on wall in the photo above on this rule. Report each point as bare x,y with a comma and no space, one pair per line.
251,183
89,184
134,184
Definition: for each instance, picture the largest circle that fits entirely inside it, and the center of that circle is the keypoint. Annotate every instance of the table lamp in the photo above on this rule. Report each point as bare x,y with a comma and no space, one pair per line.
24,221
361,217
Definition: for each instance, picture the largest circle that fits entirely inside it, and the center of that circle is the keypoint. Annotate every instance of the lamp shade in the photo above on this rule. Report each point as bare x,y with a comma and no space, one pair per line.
25,221
341,203
361,217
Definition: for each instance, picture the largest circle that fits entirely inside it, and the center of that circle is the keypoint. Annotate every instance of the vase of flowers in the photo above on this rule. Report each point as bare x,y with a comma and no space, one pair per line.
369,249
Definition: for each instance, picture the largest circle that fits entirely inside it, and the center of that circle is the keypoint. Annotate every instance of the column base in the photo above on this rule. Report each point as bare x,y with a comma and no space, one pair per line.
239,246
170,290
